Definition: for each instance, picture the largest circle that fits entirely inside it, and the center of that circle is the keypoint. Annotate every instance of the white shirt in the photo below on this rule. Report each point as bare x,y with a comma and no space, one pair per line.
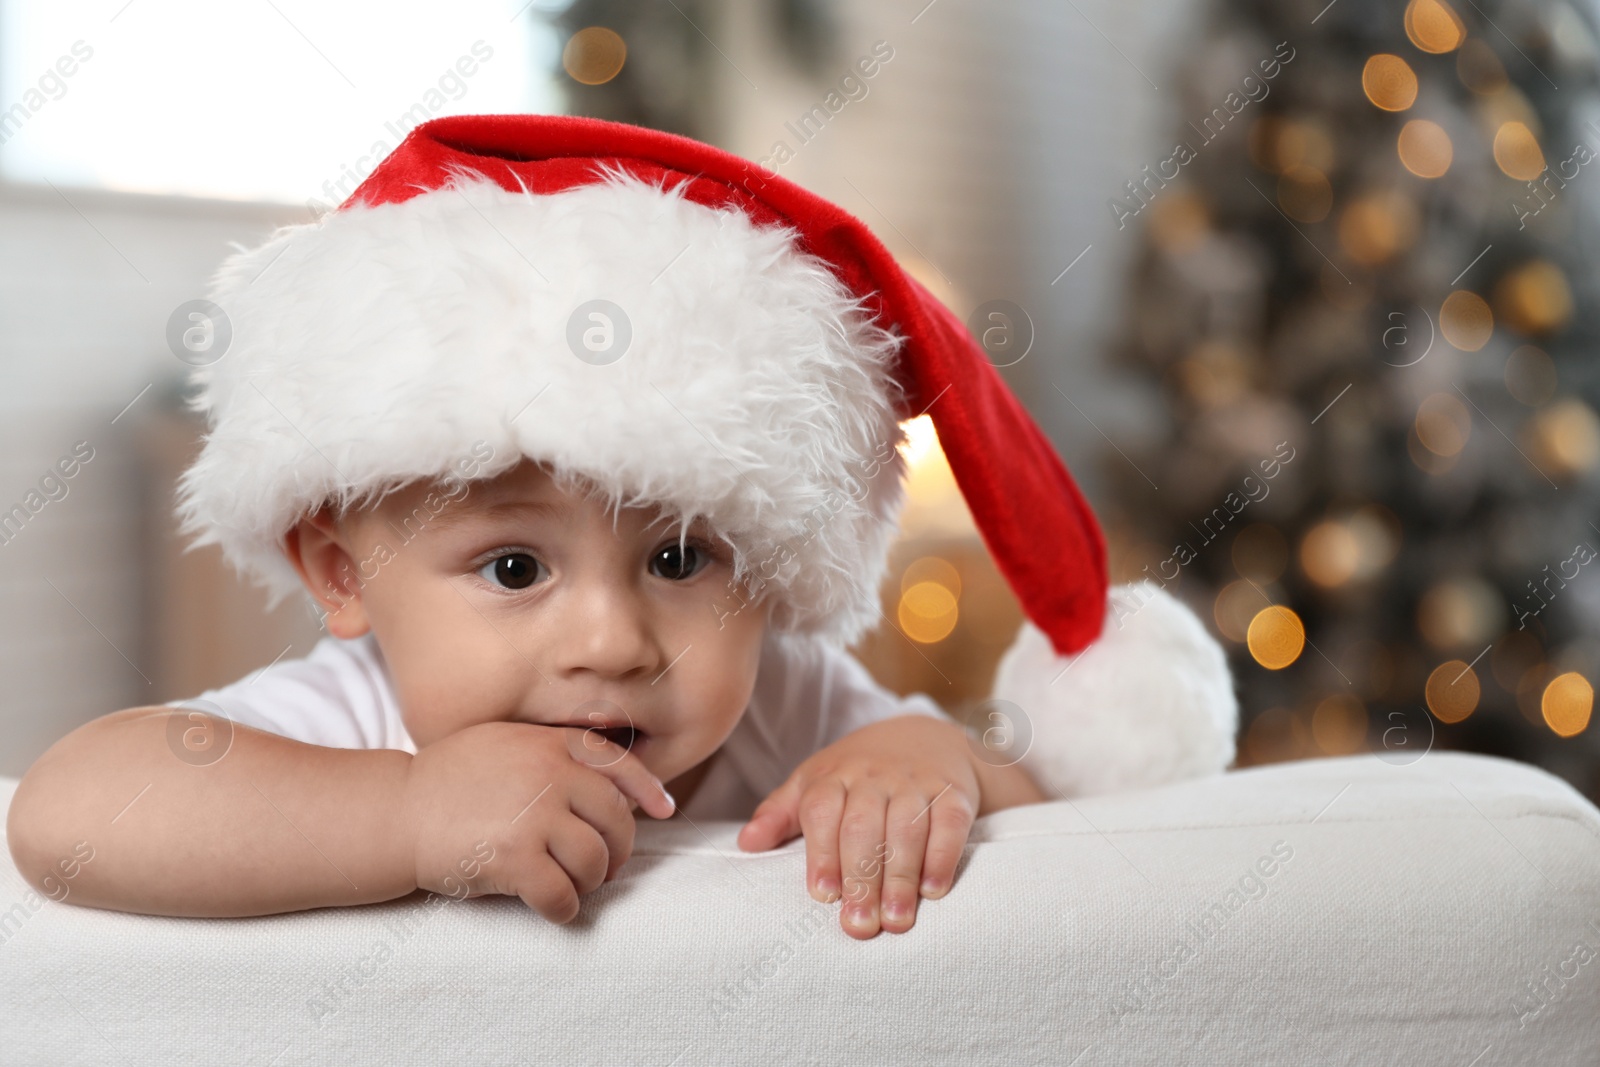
808,694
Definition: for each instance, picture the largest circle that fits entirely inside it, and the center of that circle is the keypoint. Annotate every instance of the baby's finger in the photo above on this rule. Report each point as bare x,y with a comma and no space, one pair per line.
775,820
862,849
601,805
545,887
581,852
952,821
592,749
907,825
821,807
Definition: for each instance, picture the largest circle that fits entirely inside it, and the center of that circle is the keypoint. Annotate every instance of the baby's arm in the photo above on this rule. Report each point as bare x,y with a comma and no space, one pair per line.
276,825
272,825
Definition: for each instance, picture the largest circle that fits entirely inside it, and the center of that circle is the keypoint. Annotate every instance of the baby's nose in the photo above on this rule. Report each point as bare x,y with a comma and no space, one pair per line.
607,633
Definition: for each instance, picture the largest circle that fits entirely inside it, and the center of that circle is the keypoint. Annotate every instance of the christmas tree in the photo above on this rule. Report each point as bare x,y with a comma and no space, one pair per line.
1364,295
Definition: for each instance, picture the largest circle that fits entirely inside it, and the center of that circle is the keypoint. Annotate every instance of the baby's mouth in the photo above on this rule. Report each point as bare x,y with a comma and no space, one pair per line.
624,736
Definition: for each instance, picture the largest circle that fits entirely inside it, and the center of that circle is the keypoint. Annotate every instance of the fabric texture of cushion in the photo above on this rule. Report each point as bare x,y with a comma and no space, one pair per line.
1323,912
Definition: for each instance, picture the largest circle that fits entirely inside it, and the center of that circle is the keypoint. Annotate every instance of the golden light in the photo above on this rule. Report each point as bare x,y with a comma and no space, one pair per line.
1443,424
1356,546
1480,69
1304,194
1275,735
1277,144
1530,375
1339,725
1425,148
1460,612
1377,531
1466,321
1452,691
1178,220
1535,298
594,55
1517,152
1276,637
1433,26
934,504
1235,606
1260,552
1213,373
1330,554
928,612
931,569
1377,226
1566,704
1427,461
1565,437
1389,82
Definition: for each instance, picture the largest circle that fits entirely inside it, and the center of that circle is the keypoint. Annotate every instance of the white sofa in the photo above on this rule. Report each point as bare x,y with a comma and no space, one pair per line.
1340,911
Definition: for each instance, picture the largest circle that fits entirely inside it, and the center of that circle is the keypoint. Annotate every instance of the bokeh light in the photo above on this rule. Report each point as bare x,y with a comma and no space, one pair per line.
1275,735
1566,703
1433,26
932,569
1277,144
1465,320
1443,424
1352,547
1565,437
1375,227
1425,148
1517,152
1276,637
1530,375
1389,82
928,612
1236,605
1178,220
1534,299
1460,612
1452,691
1339,725
1304,194
594,55
1480,69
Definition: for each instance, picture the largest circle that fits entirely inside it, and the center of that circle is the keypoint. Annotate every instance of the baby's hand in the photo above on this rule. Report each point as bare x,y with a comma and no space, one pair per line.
544,813
884,810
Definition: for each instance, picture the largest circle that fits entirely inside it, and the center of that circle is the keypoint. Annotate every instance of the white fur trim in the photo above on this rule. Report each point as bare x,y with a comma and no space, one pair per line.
379,345
1151,701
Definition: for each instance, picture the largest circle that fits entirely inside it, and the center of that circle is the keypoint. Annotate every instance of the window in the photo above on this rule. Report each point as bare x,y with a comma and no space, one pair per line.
281,100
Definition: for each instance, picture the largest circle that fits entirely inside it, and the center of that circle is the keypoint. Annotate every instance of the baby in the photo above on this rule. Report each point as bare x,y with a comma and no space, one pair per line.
583,438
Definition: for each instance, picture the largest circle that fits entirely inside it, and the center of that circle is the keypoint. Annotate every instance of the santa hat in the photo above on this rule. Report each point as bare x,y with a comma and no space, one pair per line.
680,328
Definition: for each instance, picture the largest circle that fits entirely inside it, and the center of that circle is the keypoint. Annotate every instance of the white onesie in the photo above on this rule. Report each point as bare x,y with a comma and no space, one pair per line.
808,694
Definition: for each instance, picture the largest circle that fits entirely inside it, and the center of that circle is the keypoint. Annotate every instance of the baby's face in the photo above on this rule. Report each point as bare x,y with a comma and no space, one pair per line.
511,600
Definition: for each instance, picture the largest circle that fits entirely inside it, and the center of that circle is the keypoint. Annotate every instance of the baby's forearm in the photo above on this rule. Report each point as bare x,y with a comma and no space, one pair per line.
273,825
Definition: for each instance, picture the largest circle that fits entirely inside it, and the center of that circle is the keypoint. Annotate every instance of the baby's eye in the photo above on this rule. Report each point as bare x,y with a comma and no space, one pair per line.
677,564
515,570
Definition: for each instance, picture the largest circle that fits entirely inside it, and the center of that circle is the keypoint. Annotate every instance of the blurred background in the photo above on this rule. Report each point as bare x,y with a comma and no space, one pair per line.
1302,292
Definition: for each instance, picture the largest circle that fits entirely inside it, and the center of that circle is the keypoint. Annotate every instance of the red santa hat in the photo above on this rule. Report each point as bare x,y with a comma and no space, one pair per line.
682,328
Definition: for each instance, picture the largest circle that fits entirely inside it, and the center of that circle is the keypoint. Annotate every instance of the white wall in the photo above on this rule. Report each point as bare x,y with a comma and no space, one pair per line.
85,291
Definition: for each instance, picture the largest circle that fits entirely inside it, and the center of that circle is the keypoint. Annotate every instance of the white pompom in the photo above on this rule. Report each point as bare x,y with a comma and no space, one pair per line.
1151,701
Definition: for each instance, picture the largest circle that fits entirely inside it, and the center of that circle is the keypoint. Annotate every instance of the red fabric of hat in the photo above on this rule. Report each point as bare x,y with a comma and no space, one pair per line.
1034,519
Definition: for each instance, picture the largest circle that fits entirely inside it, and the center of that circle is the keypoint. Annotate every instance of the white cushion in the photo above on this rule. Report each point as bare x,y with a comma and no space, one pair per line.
1416,911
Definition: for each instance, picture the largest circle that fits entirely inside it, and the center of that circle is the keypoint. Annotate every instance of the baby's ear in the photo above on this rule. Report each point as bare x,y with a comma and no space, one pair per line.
316,546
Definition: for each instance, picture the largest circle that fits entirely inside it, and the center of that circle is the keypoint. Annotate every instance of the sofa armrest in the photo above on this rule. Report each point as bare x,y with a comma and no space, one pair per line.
1321,912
